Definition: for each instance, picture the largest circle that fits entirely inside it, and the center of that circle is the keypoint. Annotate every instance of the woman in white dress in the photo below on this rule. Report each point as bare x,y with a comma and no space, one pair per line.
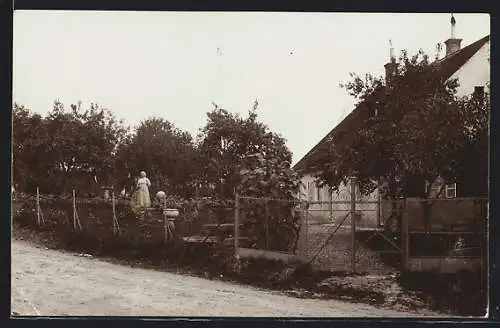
143,185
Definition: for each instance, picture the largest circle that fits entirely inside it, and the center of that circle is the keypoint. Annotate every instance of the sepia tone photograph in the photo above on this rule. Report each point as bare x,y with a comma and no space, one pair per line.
250,164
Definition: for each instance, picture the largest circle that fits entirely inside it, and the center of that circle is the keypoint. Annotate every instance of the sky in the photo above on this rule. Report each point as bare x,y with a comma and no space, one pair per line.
176,64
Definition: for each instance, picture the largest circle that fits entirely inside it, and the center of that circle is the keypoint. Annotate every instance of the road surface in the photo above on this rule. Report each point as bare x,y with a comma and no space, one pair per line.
53,283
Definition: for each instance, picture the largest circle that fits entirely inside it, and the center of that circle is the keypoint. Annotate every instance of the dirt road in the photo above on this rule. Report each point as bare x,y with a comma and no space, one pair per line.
52,283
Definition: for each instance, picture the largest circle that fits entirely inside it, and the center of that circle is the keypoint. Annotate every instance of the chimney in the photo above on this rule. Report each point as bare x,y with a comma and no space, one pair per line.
391,66
452,44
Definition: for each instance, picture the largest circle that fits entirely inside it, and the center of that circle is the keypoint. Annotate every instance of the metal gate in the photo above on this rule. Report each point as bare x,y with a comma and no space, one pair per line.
345,235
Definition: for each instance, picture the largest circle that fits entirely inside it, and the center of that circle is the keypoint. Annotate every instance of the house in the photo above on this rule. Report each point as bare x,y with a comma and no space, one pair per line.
472,68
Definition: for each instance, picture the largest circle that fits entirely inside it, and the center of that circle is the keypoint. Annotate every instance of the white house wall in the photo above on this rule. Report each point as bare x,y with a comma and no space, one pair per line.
336,205
475,72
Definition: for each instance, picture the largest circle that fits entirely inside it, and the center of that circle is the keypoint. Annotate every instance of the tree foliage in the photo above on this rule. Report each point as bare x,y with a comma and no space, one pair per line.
86,149
65,146
416,129
165,152
242,154
30,138
84,141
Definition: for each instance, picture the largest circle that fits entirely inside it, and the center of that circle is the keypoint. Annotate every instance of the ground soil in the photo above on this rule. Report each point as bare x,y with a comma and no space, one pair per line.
54,283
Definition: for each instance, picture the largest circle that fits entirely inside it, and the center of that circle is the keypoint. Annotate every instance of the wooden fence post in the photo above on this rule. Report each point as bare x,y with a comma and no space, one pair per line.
74,210
267,225
330,200
405,237
306,228
76,219
116,225
236,222
302,235
38,206
165,220
165,224
353,224
379,207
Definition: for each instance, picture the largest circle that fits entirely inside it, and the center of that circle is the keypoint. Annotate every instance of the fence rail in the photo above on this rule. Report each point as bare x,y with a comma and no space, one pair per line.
88,215
371,236
348,235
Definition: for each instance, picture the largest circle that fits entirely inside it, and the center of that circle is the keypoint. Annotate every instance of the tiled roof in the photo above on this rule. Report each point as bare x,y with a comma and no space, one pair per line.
447,66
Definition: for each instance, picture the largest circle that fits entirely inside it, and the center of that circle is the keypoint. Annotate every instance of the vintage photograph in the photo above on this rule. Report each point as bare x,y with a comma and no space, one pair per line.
250,164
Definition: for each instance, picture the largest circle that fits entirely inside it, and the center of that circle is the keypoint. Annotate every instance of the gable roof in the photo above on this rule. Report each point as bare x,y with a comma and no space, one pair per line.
344,131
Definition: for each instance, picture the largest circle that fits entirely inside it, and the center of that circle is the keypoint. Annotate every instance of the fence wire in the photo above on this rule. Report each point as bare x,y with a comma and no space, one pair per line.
335,236
269,224
200,221
319,233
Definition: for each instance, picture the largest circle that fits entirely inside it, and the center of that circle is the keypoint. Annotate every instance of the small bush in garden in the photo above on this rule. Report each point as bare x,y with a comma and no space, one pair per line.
463,292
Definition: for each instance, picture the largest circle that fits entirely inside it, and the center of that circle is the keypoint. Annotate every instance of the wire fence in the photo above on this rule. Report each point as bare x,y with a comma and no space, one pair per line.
364,235
323,234
195,221
289,229
356,234
268,224
454,228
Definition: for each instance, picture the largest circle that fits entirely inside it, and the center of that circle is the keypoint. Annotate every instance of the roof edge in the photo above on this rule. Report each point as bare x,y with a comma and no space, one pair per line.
299,166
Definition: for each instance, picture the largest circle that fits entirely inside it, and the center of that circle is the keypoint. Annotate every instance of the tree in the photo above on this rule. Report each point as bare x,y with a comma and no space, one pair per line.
416,131
83,143
66,147
166,153
104,134
473,160
242,155
229,144
31,163
262,176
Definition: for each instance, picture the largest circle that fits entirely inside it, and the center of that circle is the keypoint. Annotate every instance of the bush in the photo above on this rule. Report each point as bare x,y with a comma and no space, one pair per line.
463,293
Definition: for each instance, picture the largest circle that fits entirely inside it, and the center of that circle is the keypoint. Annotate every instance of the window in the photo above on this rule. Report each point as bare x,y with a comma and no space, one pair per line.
310,192
451,190
434,189
318,193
